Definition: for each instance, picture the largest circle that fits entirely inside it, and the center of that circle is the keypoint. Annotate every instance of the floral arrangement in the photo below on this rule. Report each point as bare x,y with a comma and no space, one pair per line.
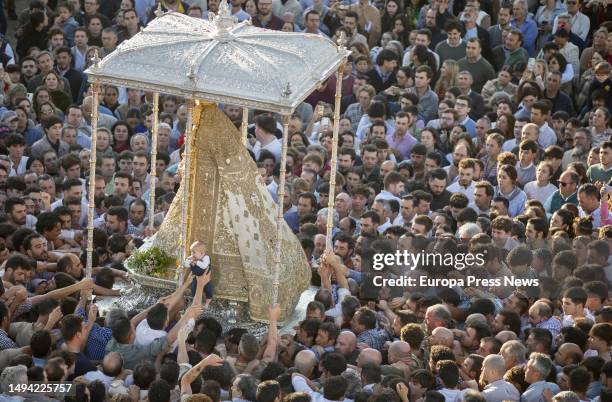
151,262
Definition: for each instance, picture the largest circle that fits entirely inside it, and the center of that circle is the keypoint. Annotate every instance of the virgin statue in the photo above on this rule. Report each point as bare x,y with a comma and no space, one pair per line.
231,210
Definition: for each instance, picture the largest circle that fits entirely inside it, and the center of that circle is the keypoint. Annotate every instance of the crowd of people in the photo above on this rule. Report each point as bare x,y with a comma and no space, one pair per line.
468,128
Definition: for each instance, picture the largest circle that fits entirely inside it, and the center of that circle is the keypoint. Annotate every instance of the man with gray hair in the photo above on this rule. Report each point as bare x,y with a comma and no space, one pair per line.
566,396
538,368
513,353
467,231
583,138
322,221
11,376
441,336
491,378
436,316
305,362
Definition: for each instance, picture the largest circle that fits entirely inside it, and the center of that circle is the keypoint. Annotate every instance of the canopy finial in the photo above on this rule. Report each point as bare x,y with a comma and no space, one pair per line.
192,75
159,11
342,40
224,9
96,58
287,91
224,21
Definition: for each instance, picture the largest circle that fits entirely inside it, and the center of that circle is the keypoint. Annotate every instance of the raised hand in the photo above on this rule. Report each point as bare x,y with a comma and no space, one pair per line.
93,313
213,360
183,334
55,315
275,313
402,391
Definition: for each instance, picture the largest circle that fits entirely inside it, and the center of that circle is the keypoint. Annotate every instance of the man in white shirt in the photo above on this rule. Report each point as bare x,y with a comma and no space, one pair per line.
589,201
465,184
334,389
265,127
580,23
539,115
111,367
153,326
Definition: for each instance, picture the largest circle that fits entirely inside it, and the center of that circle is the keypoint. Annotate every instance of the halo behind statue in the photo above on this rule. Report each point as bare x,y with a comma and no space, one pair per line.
221,62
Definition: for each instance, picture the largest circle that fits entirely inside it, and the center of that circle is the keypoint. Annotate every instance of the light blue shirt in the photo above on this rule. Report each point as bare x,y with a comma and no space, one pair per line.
516,199
241,15
529,29
535,392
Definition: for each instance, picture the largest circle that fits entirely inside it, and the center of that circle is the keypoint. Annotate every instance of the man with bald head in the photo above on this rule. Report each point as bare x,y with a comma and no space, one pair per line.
401,360
104,120
346,344
505,336
305,362
540,316
491,378
568,353
342,205
369,355
112,366
566,194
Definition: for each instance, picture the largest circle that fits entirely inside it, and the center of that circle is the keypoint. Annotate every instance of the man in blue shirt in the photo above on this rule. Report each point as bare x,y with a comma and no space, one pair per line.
526,25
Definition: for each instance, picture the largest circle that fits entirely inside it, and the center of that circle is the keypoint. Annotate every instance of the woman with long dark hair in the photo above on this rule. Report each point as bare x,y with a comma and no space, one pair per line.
393,8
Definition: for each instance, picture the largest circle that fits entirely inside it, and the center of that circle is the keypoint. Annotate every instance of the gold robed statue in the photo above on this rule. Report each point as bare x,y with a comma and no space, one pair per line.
231,210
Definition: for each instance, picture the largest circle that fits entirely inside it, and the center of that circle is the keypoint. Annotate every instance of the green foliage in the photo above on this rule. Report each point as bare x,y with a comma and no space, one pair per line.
152,262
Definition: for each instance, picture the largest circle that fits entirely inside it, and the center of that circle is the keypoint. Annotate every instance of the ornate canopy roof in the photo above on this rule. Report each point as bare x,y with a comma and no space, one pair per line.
221,61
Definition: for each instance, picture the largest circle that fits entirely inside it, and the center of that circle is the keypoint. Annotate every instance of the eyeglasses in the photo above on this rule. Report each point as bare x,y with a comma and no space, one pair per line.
565,184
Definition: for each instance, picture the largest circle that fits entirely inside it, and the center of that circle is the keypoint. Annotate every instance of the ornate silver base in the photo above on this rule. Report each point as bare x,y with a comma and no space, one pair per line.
229,313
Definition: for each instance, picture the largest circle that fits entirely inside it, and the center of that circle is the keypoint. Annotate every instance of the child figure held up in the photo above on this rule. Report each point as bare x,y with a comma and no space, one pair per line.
199,264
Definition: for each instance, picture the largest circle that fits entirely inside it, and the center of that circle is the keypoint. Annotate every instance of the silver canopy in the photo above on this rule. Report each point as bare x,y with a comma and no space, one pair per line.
221,61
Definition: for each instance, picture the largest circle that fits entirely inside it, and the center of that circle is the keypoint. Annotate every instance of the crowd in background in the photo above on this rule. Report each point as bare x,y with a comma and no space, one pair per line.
467,128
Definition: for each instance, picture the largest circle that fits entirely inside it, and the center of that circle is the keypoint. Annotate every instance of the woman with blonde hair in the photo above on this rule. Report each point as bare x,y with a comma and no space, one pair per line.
538,74
448,77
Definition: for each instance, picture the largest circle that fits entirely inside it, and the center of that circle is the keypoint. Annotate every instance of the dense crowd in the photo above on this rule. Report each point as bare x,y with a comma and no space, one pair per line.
474,150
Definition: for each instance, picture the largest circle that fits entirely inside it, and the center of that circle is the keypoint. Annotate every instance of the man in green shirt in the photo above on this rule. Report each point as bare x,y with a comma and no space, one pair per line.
453,48
602,171
481,69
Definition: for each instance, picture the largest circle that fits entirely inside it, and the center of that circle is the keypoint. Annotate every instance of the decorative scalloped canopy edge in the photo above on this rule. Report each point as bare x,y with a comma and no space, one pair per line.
198,81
